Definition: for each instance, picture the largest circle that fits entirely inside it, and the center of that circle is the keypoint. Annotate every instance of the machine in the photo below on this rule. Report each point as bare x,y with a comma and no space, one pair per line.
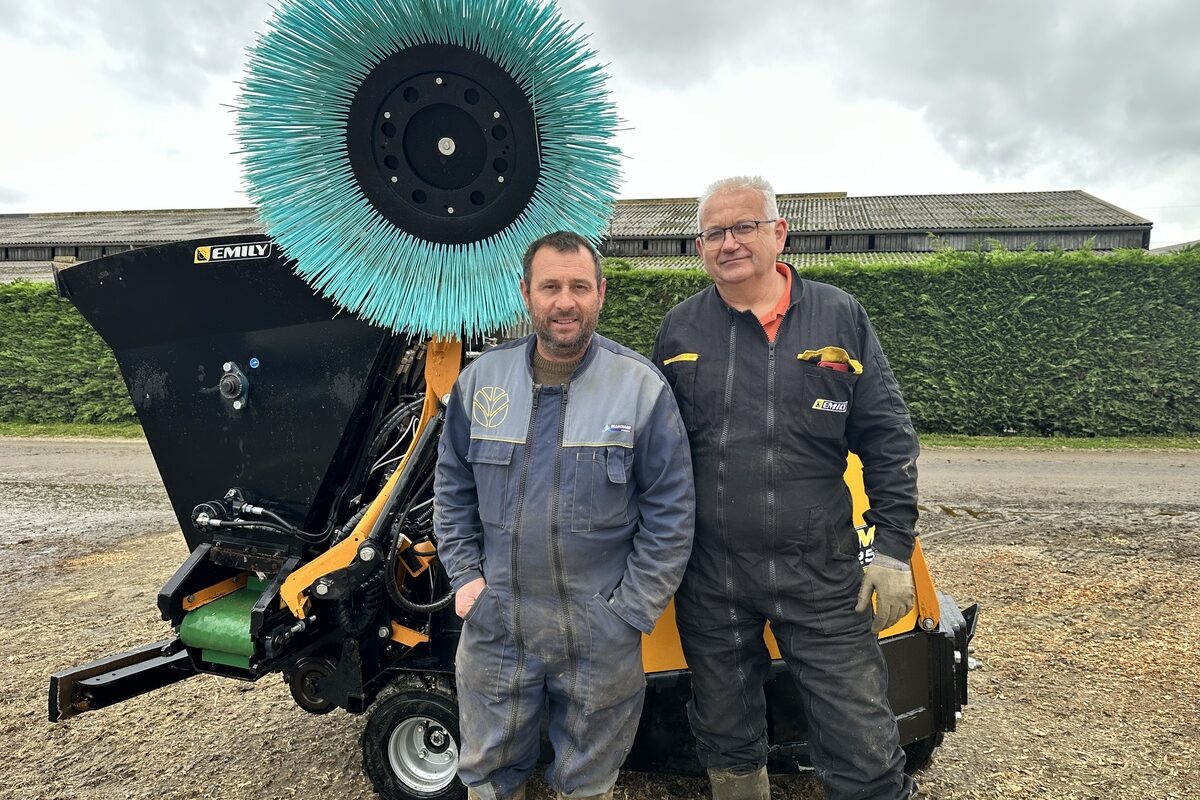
291,385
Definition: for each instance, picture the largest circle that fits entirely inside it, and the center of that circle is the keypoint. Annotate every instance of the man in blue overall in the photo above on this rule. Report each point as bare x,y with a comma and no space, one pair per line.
564,517
777,378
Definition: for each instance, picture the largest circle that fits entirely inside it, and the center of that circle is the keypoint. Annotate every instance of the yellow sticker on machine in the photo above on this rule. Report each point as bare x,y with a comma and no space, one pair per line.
232,252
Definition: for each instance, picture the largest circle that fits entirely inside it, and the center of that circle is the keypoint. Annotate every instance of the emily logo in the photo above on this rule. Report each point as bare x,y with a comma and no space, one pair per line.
490,406
831,405
232,252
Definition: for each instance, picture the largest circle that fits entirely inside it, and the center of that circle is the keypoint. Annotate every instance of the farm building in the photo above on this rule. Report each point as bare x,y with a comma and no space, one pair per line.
661,233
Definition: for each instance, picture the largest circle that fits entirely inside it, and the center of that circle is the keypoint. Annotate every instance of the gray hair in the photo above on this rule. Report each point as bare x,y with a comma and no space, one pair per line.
561,242
735,184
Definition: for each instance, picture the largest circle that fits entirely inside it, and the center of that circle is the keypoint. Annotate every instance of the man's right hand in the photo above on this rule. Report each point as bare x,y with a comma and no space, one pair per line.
465,597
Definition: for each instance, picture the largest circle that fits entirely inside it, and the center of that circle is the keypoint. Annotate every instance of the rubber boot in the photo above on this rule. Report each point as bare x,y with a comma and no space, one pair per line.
605,796
727,785
519,794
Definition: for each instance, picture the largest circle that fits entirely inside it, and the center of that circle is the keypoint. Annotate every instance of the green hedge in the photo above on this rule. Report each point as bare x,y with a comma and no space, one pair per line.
982,343
53,366
1055,343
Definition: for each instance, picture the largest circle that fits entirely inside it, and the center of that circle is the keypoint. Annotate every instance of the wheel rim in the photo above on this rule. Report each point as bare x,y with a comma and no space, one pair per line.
423,754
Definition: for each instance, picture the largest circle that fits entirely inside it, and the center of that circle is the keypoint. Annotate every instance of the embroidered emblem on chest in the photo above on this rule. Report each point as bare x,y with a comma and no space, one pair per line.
489,406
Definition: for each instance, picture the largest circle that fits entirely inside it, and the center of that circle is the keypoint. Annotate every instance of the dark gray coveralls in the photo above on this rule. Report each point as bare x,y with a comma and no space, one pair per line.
575,504
775,540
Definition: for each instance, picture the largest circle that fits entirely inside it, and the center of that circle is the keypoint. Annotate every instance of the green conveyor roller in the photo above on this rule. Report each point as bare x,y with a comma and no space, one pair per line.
221,629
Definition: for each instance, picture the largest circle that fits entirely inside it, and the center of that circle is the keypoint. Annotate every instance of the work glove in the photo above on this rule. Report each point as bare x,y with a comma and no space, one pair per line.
891,580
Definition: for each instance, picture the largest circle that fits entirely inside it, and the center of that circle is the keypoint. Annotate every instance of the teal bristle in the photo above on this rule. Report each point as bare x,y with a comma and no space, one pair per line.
291,127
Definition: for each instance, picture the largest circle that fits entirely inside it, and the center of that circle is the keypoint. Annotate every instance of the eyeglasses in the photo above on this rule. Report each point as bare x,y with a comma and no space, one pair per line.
743,232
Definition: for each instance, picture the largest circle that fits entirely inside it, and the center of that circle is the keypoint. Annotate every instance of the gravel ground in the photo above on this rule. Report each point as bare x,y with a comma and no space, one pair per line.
1082,561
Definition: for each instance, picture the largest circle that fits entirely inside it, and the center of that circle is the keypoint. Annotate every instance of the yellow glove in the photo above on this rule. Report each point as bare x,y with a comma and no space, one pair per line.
891,580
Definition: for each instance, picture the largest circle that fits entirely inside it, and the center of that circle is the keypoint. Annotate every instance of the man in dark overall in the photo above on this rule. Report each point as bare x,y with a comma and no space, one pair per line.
564,516
777,377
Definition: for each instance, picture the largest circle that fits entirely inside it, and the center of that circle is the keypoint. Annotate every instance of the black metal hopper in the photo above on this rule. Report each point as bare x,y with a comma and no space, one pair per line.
240,374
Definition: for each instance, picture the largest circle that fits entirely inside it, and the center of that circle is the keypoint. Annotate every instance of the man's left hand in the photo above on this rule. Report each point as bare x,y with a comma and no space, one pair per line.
891,580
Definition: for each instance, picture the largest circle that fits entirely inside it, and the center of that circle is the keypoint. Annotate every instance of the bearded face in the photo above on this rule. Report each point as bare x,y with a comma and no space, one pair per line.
564,302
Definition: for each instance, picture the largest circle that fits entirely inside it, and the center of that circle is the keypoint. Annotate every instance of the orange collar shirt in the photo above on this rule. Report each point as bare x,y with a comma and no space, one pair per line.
770,321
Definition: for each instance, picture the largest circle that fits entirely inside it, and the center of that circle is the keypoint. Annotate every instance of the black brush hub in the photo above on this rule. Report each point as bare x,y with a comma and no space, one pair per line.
443,142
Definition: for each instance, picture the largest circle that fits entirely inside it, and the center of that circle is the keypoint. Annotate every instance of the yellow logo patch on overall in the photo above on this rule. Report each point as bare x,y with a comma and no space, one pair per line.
841,406
490,406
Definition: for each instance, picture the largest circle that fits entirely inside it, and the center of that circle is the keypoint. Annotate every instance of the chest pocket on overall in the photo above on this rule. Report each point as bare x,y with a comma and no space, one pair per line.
826,397
601,495
491,462
681,375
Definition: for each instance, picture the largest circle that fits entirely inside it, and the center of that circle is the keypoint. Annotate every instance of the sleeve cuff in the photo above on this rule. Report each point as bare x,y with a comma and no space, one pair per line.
463,578
897,547
632,620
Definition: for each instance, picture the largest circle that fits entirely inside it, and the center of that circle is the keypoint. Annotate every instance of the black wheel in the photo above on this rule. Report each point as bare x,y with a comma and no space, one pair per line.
918,753
305,684
410,747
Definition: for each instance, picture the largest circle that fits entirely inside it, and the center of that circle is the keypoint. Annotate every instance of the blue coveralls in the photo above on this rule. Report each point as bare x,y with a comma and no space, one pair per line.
575,503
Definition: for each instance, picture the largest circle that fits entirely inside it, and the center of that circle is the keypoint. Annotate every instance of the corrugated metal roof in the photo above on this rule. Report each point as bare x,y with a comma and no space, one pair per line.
939,212
798,260
126,227
36,271
820,213
1171,248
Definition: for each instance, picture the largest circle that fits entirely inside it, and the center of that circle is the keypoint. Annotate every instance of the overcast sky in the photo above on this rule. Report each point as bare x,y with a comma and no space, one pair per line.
124,104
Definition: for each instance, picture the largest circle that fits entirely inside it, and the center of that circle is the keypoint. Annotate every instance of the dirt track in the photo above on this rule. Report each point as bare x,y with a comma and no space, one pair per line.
1084,563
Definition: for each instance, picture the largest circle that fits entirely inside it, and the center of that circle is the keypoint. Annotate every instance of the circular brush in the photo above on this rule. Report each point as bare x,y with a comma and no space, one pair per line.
405,152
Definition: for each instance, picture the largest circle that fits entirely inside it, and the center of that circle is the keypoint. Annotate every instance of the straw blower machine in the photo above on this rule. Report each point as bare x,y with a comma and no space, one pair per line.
401,154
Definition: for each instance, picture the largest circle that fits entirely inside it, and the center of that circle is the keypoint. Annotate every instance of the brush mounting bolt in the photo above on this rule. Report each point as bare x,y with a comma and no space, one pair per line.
438,81
395,179
496,114
500,179
446,146
450,210
387,115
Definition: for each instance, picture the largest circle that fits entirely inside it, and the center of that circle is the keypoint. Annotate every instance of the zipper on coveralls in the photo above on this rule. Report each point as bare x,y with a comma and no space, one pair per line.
510,727
564,610
772,520
723,444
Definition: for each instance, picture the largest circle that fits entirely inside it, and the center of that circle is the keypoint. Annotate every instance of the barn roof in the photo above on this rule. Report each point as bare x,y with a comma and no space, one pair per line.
674,218
836,212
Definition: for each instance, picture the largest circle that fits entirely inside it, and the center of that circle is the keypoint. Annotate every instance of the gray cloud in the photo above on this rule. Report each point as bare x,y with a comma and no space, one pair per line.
1088,88
14,15
9,195
1085,88
674,44
168,51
